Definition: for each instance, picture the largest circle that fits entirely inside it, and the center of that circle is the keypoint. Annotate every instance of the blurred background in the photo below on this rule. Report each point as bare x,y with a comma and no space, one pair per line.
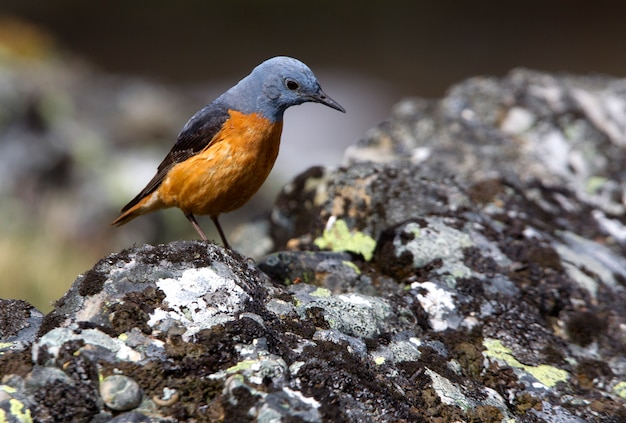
93,95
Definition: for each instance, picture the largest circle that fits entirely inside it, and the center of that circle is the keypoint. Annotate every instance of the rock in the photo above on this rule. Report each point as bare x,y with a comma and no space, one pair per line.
19,323
120,393
466,264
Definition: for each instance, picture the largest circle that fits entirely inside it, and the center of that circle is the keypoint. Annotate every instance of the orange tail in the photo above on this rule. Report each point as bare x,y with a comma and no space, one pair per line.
126,217
145,205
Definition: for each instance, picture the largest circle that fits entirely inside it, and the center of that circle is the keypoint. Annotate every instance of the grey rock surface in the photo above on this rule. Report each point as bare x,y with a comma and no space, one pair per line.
19,324
466,264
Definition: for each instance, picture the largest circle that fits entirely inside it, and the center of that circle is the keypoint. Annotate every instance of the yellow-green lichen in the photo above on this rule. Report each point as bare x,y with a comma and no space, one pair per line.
242,365
547,375
8,389
321,293
594,184
352,266
338,237
5,345
620,389
18,412
416,230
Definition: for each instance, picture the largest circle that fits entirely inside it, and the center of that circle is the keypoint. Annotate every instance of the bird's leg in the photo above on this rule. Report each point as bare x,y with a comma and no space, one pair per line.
219,229
197,227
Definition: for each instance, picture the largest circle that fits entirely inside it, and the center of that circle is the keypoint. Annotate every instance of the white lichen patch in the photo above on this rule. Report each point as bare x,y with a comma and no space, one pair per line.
92,306
451,394
517,121
352,314
439,304
199,299
300,397
580,257
437,241
612,227
448,392
607,111
54,340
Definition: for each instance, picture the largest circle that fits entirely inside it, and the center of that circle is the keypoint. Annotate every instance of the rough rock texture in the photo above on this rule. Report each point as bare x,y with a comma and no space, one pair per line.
467,264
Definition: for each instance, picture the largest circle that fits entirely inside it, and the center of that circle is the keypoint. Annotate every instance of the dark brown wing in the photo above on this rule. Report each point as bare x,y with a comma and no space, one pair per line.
195,136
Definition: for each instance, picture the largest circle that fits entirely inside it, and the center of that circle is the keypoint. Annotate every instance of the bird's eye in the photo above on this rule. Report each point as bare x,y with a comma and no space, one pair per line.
292,85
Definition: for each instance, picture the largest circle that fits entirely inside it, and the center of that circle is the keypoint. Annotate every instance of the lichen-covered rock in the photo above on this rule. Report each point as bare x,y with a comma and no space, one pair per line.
468,263
19,324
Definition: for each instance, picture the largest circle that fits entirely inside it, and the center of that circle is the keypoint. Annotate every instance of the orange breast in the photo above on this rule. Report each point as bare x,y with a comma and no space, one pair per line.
229,171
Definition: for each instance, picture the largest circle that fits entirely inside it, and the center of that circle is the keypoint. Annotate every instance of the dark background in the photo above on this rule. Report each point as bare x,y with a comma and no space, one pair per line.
419,47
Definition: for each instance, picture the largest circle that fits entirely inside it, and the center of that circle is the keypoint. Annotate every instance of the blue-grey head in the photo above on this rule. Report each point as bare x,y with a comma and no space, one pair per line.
275,85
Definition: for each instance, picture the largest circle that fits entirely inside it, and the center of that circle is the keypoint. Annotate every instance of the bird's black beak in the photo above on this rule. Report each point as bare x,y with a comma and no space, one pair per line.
322,98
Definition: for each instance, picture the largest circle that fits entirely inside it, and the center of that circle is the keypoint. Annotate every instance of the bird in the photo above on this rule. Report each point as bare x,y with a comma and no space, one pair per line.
227,149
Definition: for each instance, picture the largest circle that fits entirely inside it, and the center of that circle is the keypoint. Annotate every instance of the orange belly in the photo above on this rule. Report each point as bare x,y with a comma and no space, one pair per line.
228,172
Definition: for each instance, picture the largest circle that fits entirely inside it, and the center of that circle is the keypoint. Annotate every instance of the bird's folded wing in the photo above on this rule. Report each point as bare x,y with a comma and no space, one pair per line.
197,135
